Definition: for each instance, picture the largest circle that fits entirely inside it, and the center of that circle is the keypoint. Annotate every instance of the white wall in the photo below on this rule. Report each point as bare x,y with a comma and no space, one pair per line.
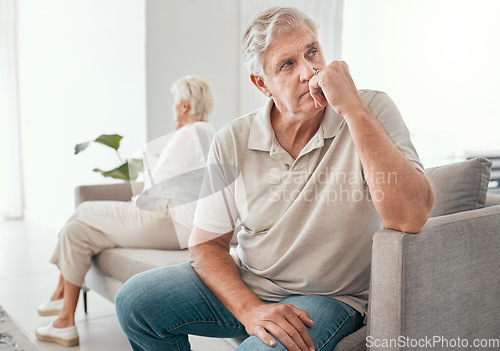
199,38
82,74
438,60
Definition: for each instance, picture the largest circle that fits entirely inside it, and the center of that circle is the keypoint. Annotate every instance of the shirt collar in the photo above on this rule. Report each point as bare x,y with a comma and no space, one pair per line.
262,134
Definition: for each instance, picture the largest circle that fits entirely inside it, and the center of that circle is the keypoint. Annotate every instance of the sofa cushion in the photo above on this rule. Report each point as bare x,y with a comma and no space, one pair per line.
460,186
123,263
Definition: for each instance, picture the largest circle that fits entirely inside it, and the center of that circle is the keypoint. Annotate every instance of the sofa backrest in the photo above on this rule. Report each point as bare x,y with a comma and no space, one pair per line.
460,186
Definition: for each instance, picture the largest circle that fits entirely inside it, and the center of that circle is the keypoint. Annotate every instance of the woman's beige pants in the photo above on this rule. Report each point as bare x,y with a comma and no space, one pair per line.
99,225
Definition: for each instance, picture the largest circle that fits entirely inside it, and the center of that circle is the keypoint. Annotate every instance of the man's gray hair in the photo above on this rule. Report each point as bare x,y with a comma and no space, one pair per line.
198,93
264,28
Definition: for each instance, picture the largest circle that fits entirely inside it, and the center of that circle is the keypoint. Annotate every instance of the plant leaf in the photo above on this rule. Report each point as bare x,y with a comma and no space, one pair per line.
127,171
80,147
121,172
111,140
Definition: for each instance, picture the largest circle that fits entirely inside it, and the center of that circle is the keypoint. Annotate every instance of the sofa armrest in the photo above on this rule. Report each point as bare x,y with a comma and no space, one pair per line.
103,192
441,282
492,200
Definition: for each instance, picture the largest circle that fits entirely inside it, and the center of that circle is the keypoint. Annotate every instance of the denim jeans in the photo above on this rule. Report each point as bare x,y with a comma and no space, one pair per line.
157,310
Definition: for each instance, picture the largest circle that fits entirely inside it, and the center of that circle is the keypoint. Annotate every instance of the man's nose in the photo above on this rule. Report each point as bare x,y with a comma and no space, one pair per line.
306,71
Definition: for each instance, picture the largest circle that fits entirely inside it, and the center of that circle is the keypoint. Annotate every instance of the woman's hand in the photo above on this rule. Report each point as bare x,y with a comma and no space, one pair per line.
334,85
285,322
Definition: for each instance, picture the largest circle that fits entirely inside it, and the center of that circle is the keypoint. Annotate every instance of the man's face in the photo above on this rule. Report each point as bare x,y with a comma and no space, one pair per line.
289,63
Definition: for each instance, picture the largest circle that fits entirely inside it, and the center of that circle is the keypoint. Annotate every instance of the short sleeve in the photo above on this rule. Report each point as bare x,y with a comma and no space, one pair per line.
216,210
391,120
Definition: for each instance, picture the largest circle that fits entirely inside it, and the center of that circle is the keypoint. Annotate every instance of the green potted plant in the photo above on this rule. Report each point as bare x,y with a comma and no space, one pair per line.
127,170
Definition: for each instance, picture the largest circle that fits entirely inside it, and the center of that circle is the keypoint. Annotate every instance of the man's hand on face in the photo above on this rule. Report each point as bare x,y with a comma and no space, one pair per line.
285,322
334,85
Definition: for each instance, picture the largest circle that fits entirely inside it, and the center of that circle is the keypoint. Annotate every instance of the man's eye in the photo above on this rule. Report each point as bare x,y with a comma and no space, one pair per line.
313,52
286,64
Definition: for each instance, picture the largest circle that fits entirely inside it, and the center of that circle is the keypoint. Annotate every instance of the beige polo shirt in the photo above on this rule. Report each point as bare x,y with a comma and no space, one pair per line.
306,224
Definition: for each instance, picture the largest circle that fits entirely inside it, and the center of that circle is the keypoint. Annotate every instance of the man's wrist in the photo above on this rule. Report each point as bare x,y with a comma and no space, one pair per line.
357,112
250,303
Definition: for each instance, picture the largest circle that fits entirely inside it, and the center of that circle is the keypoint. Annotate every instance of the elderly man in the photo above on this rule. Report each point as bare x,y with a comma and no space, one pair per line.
321,167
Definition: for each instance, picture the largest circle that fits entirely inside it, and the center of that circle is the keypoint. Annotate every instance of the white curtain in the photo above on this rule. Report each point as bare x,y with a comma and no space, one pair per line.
328,14
11,197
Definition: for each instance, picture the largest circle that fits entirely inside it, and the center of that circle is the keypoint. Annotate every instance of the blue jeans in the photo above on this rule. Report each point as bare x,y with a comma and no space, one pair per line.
157,310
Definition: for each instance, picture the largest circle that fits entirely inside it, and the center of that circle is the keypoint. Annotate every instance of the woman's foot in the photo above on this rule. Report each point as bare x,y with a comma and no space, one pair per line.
63,336
51,308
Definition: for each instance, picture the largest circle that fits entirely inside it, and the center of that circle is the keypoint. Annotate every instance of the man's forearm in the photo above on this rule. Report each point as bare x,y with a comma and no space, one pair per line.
217,270
213,264
402,205
401,194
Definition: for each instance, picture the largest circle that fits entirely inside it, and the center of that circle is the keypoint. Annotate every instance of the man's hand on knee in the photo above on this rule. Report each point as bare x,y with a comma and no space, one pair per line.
285,322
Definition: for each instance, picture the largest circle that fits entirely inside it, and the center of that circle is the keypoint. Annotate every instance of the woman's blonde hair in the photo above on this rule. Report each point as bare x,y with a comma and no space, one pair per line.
264,28
198,93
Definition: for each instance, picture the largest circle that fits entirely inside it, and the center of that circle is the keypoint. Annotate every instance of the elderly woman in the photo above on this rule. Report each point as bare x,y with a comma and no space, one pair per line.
322,166
98,225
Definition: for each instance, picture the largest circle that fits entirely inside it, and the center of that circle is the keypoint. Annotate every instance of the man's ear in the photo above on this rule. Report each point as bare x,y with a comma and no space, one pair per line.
258,81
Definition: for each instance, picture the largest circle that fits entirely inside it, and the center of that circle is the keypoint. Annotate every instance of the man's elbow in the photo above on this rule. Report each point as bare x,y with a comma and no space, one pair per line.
411,225
412,220
198,253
